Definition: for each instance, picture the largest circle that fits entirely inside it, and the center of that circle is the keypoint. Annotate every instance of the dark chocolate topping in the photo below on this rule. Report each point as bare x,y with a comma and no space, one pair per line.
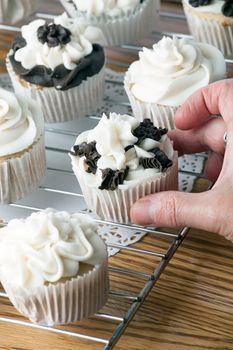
113,178
197,3
61,78
53,35
150,163
227,8
162,158
128,148
18,43
89,151
146,129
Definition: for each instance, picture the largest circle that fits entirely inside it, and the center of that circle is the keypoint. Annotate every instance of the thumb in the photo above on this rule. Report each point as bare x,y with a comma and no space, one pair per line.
174,209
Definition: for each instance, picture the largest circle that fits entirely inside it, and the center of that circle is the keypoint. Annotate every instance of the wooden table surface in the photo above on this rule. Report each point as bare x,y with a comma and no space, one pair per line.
190,308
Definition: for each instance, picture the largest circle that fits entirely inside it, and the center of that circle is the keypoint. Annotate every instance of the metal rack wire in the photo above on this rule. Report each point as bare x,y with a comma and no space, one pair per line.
162,258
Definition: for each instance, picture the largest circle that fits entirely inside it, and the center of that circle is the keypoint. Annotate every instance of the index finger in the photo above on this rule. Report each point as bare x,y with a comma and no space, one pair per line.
216,98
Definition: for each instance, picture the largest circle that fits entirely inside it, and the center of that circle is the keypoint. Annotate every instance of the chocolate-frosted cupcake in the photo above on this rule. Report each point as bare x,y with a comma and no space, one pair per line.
167,74
22,148
53,266
61,65
12,11
211,22
122,21
132,160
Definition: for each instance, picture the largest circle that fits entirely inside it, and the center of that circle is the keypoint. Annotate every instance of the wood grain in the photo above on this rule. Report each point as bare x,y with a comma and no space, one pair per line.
191,307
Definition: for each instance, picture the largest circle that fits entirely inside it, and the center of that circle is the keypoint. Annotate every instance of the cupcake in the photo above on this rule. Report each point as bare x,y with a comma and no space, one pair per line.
61,65
211,22
166,75
122,21
132,160
53,266
12,11
22,149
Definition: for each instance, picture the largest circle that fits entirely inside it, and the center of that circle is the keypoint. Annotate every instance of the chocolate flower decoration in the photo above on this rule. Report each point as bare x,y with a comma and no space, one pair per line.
146,129
53,35
196,3
113,178
89,151
227,8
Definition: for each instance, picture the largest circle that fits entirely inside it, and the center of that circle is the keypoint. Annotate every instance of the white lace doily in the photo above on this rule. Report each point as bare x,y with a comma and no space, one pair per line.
116,100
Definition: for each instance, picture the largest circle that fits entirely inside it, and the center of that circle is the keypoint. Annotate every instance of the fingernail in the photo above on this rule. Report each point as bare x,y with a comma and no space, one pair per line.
141,212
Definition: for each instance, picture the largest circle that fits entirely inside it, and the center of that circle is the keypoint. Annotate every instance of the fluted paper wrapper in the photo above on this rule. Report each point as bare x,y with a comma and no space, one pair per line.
22,174
161,116
63,106
211,31
62,303
115,205
12,12
122,29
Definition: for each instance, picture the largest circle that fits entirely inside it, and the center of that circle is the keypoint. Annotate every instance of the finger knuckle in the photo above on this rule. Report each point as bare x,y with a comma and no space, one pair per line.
172,209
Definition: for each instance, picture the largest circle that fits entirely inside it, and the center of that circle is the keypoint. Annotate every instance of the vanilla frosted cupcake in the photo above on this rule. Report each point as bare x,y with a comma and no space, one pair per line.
61,65
132,160
53,266
166,75
211,22
122,21
22,149
12,11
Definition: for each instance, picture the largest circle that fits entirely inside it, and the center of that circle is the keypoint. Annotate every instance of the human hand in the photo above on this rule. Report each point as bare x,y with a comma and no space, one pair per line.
199,131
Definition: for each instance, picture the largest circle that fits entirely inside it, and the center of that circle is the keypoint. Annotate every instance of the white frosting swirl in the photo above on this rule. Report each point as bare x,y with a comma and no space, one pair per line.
18,129
173,69
47,246
117,131
35,53
214,7
111,8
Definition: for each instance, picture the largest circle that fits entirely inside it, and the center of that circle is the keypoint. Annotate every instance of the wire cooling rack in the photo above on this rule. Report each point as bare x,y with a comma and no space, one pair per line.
60,190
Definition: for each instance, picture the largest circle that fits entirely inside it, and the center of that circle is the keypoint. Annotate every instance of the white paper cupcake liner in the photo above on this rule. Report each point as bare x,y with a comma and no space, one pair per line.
12,11
22,174
161,116
115,205
211,31
124,29
62,106
62,303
